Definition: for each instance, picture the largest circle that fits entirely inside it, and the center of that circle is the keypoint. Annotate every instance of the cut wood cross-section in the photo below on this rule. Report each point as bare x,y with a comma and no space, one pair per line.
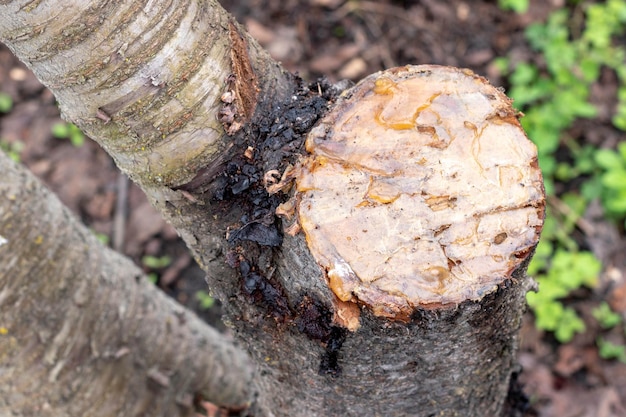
421,190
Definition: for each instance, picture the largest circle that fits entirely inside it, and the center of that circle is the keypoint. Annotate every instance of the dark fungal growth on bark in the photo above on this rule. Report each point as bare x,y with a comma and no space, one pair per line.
271,144
329,365
264,292
266,146
314,320
270,141
257,154
262,231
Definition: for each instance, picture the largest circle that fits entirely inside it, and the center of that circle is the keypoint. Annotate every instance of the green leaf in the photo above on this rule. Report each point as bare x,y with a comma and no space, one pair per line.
564,172
547,141
205,300
518,6
550,289
576,203
536,33
605,316
12,149
590,69
609,350
583,109
60,130
68,131
608,159
543,252
569,325
615,202
615,179
571,270
548,315
154,262
502,65
103,238
588,268
153,278
6,103
524,74
77,138
591,189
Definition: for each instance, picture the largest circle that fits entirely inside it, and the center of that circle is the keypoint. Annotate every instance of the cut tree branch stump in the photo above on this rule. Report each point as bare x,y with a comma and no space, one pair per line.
420,203
422,190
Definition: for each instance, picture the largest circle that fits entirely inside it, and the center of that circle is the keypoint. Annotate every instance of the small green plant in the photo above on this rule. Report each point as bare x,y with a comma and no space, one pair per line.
68,131
609,350
552,96
153,278
205,300
154,262
574,44
605,316
6,103
518,6
12,149
608,319
103,238
566,272
612,179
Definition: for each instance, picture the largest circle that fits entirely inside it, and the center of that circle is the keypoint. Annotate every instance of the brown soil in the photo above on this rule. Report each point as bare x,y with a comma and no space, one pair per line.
342,40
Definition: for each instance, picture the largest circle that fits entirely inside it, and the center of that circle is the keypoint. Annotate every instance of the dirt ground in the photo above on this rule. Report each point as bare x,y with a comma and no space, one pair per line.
340,39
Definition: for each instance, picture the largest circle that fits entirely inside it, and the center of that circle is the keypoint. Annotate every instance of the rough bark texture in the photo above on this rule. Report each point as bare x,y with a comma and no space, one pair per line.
151,98
153,82
84,331
449,362
165,88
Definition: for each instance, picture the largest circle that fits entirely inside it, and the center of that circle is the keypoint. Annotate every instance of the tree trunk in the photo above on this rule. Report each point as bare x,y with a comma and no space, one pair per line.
404,291
84,333
420,204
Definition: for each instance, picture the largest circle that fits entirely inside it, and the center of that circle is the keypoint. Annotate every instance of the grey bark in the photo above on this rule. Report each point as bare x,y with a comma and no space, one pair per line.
84,331
445,362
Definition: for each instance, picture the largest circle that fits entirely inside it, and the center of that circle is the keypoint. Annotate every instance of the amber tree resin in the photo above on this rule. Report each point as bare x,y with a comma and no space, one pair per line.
421,189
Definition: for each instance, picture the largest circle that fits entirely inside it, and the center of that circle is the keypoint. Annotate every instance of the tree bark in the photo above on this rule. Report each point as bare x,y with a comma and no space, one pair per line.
85,332
165,88
327,339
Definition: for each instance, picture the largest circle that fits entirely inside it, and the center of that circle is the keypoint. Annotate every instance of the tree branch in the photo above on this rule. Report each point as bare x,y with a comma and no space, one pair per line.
86,332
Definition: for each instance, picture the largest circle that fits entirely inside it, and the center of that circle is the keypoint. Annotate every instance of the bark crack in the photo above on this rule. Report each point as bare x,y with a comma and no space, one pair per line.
243,84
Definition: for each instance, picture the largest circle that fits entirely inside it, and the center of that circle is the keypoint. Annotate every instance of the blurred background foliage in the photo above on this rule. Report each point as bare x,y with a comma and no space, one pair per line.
574,45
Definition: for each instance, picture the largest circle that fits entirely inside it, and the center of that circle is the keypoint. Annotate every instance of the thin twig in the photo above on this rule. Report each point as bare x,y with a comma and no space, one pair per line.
565,210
